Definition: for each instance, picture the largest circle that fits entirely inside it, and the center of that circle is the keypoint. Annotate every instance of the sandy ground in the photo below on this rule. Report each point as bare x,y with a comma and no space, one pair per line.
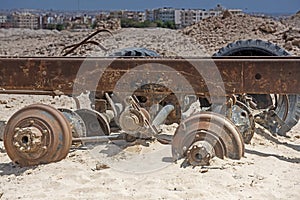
269,170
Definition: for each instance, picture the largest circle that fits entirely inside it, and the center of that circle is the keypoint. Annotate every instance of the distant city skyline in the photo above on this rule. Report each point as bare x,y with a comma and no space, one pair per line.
266,6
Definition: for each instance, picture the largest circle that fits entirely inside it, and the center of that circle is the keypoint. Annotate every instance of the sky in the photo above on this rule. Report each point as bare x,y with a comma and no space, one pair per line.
266,6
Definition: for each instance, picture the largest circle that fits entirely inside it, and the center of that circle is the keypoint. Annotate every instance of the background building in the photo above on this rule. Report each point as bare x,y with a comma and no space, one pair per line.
185,17
125,14
179,18
25,20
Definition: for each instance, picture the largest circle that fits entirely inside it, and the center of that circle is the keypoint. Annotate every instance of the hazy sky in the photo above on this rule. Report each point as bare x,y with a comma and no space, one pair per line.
278,6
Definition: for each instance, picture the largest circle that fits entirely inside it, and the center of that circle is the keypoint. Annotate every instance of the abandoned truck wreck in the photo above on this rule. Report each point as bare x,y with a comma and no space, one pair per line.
216,101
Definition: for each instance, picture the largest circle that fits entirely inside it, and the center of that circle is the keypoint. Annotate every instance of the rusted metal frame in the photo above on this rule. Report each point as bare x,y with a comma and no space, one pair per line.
57,75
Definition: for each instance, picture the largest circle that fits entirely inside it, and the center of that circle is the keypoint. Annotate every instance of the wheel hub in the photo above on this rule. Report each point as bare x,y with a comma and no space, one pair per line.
37,134
198,155
28,139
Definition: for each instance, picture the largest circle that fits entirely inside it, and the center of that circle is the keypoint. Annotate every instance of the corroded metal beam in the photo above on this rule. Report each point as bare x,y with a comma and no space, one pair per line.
201,76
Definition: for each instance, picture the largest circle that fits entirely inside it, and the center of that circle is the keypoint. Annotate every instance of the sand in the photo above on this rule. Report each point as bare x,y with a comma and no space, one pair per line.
269,170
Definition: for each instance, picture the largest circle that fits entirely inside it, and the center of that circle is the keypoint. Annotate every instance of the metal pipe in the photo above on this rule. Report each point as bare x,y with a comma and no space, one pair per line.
162,115
31,92
109,115
104,138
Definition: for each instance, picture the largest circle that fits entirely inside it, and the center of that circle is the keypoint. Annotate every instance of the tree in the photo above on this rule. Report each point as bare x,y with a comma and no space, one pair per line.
60,27
170,25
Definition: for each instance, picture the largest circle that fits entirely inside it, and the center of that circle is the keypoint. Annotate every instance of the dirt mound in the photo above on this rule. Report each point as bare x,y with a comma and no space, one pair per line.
215,32
293,21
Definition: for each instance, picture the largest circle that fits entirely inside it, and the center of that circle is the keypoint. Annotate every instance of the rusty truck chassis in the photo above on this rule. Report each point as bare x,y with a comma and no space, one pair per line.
123,92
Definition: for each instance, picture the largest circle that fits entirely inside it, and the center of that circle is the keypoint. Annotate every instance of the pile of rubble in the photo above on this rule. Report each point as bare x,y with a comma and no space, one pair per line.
293,21
215,32
111,24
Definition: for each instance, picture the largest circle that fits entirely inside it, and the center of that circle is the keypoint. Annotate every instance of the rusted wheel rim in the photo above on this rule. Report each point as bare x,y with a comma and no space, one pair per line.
37,134
76,123
95,122
211,128
244,121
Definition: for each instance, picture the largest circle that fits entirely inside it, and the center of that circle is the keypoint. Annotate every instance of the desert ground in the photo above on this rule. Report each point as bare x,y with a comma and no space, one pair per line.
270,168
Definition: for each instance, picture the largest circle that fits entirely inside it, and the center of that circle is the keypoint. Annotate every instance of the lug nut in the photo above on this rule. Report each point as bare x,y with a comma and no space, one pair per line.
17,129
17,144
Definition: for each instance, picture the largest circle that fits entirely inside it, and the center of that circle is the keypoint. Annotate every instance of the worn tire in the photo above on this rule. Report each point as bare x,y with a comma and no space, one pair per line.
135,51
264,48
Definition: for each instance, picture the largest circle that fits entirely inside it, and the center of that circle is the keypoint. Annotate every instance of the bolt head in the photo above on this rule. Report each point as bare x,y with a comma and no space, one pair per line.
17,129
16,144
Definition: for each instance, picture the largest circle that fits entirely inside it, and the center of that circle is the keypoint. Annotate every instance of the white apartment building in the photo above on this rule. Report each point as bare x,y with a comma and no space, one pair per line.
191,16
149,15
125,14
185,17
164,14
236,11
135,15
25,20
3,18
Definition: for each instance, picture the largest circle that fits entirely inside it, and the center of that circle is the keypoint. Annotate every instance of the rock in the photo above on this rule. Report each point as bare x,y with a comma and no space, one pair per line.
288,46
267,28
100,166
111,24
296,42
9,106
291,34
3,101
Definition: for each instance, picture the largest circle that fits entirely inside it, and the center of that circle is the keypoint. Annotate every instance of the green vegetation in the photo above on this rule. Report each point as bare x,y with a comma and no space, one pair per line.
58,27
94,25
126,23
167,24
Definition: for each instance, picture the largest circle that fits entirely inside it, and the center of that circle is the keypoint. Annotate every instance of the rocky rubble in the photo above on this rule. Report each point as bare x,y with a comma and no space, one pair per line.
112,24
293,21
216,32
292,38
166,42
207,37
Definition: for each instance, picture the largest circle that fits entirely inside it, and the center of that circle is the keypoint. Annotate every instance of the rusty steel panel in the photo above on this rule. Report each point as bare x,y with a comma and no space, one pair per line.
202,76
272,76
